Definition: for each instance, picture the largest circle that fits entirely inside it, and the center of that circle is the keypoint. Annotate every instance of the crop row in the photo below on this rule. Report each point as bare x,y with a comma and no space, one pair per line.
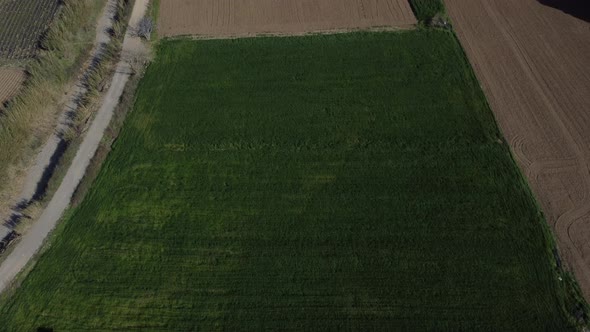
10,82
343,182
22,25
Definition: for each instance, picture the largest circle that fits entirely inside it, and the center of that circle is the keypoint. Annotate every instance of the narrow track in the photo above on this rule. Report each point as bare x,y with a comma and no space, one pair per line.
32,241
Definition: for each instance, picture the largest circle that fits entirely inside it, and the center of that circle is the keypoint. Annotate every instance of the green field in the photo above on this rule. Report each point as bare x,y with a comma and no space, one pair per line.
343,182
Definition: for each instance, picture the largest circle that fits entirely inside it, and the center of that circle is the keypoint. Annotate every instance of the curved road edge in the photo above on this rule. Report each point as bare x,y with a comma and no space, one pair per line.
34,239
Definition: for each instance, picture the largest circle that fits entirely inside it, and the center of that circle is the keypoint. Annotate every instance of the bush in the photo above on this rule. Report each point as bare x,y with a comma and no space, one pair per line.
145,28
425,10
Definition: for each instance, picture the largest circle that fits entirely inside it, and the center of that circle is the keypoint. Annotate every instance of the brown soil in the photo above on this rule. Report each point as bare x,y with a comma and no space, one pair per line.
226,18
533,62
11,80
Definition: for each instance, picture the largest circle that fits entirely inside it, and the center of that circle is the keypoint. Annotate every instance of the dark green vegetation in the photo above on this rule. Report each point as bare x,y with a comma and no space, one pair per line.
22,24
425,10
352,181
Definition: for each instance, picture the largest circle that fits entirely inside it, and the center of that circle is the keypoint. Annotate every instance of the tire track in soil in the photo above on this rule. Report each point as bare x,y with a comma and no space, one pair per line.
565,221
547,47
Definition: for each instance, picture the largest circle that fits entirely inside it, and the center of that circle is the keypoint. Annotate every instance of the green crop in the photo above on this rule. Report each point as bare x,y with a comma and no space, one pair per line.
425,10
344,182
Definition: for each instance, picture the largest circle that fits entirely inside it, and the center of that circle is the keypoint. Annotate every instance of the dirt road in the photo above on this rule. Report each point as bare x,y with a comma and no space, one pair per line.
32,184
32,241
533,62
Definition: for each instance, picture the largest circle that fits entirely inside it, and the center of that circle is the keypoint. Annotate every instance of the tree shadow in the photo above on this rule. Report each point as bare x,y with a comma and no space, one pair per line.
44,329
576,8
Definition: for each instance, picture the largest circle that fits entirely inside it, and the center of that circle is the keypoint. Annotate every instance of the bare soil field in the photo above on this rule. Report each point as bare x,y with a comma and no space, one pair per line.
533,62
227,18
10,81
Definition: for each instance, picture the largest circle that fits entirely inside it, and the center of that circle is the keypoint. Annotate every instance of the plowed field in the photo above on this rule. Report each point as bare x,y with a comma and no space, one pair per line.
10,81
249,17
534,64
22,25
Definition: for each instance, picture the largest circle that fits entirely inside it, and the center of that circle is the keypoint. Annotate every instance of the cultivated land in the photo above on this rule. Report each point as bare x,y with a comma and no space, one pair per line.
226,18
22,22
534,65
348,181
10,81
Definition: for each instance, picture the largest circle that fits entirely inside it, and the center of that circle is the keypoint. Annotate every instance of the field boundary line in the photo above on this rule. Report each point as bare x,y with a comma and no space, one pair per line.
399,28
565,220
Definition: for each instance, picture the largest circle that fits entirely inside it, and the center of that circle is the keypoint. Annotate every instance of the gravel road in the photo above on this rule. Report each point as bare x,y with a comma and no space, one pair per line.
32,241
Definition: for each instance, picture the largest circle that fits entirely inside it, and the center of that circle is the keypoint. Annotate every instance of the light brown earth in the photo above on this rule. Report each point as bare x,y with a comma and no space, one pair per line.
228,18
533,63
11,80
